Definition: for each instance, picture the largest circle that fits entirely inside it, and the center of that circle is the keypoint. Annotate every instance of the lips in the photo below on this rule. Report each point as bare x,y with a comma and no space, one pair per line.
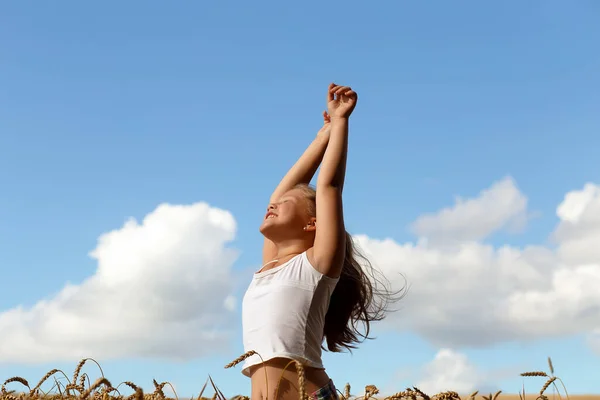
270,214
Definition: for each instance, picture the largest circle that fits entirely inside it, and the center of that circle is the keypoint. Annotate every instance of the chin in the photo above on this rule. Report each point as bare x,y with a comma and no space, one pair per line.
271,230
265,228
262,229
268,232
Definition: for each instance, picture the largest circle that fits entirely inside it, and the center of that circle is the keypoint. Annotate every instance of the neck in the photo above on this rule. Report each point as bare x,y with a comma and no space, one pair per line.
290,248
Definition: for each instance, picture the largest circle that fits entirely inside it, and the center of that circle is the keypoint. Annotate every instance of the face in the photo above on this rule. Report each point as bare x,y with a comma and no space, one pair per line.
287,217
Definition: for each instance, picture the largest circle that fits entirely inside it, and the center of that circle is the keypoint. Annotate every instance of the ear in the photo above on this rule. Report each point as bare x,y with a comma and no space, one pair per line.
312,225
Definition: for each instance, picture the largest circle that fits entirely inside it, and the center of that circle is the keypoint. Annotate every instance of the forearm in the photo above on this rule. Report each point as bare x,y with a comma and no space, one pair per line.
304,169
333,168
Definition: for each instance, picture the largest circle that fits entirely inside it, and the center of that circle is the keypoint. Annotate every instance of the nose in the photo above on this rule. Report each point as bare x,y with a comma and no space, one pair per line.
271,207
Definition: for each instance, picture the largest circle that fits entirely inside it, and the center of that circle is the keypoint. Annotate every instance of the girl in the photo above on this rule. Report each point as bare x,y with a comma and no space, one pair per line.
311,286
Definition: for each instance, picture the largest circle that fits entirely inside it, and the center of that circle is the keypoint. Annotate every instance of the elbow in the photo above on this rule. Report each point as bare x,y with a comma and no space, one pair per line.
329,186
333,180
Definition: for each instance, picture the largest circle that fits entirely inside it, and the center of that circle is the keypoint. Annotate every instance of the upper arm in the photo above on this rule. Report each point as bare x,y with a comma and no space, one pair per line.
330,239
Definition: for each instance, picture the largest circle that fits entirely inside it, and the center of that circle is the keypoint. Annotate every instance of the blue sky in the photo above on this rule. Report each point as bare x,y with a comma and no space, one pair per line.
108,110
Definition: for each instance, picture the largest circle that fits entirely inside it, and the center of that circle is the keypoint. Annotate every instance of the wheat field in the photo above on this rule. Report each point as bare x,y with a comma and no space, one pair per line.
81,387
534,396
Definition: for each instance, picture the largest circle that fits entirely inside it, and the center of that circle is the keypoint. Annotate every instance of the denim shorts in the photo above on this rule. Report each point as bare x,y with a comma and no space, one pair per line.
327,392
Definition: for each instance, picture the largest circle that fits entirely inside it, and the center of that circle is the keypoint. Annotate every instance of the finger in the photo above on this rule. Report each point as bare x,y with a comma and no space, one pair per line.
351,93
326,116
341,90
334,88
337,91
330,92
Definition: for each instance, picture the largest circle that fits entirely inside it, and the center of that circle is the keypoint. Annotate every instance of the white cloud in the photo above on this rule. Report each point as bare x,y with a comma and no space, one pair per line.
230,302
467,293
170,277
578,234
162,289
594,341
450,370
500,206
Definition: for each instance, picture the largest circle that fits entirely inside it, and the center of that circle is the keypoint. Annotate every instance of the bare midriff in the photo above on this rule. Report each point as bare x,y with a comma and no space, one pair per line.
265,388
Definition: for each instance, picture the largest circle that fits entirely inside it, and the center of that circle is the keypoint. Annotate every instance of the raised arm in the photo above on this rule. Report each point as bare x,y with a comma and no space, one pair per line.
301,172
330,240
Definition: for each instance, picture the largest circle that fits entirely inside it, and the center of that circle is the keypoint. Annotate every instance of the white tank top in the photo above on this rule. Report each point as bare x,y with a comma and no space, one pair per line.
283,313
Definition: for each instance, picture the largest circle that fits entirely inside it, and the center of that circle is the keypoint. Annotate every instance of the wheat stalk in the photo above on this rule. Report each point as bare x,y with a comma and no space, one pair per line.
94,386
173,389
159,393
22,381
370,390
401,395
241,358
412,393
550,366
138,394
421,393
217,390
33,391
534,373
301,383
247,354
450,395
73,383
82,379
158,389
551,381
548,383
78,369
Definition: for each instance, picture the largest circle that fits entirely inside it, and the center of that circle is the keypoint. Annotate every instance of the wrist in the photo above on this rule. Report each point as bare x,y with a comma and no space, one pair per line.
340,118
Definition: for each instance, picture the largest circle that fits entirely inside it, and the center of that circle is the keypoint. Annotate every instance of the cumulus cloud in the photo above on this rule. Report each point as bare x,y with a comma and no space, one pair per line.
500,206
162,288
468,293
170,276
578,234
594,341
450,370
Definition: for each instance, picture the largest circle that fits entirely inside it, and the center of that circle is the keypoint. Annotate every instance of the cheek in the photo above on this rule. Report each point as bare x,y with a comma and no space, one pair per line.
292,212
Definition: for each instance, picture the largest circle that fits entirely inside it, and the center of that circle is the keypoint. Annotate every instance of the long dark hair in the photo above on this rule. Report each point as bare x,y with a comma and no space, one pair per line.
362,294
